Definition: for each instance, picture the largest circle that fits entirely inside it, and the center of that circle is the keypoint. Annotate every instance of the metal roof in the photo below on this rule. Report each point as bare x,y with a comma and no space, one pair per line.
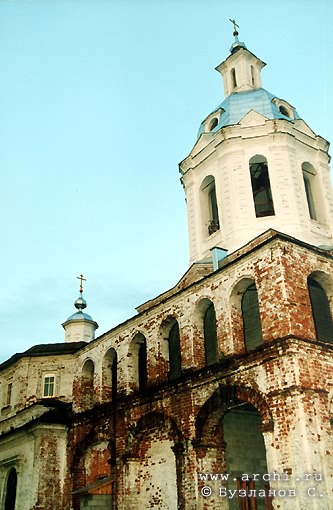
45,350
79,316
238,104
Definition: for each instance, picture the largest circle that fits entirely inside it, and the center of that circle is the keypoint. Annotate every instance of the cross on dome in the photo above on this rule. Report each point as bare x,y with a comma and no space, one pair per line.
81,303
82,279
235,32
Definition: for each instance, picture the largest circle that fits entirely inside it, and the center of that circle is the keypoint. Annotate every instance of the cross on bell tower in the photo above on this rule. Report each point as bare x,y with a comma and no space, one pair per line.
235,32
82,279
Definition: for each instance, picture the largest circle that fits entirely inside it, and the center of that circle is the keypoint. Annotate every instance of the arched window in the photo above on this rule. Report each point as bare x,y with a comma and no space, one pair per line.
309,179
138,362
321,311
214,223
87,384
309,196
261,188
233,78
209,205
284,111
313,193
251,318
11,490
213,123
210,335
174,353
109,375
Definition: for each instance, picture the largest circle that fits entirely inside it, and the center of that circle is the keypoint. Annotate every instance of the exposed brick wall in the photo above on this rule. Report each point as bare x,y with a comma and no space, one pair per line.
279,379
173,430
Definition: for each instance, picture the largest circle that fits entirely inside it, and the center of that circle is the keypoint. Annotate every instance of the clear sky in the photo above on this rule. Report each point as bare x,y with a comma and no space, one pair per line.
99,102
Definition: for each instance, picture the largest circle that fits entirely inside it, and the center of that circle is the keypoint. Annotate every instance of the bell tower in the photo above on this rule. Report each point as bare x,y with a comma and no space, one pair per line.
255,165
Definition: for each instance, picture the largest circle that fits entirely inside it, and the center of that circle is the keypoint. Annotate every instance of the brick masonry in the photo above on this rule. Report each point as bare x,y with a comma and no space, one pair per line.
154,442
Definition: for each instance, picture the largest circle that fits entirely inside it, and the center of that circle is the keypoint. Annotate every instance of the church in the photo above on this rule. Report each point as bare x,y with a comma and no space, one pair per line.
218,393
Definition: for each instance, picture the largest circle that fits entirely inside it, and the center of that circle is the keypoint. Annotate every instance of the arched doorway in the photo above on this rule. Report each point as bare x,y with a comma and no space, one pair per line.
245,457
229,440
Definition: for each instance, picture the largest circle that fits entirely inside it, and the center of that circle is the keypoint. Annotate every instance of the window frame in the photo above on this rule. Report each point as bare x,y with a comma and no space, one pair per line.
48,384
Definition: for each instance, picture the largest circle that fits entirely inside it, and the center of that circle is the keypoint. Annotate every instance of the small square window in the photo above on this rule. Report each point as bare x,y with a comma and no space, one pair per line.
48,390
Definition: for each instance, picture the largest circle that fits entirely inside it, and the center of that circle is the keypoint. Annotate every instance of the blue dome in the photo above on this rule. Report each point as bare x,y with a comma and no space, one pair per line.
79,316
238,104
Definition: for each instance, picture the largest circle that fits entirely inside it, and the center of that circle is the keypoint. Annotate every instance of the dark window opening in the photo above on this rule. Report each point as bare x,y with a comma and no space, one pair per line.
114,378
174,353
213,123
309,197
233,78
210,335
142,355
321,311
214,224
284,111
252,75
261,189
9,394
11,490
251,318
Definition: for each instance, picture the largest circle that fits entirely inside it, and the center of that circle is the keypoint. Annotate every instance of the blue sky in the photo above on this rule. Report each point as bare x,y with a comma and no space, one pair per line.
99,102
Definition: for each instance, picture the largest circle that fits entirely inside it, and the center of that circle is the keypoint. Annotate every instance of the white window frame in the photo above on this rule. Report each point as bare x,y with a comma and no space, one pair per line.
53,382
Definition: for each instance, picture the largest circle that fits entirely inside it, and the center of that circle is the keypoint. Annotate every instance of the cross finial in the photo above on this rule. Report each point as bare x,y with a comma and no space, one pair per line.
82,279
235,32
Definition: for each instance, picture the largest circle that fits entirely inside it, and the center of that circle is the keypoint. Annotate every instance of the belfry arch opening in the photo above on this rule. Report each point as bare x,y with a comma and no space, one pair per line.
315,204
261,187
210,212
